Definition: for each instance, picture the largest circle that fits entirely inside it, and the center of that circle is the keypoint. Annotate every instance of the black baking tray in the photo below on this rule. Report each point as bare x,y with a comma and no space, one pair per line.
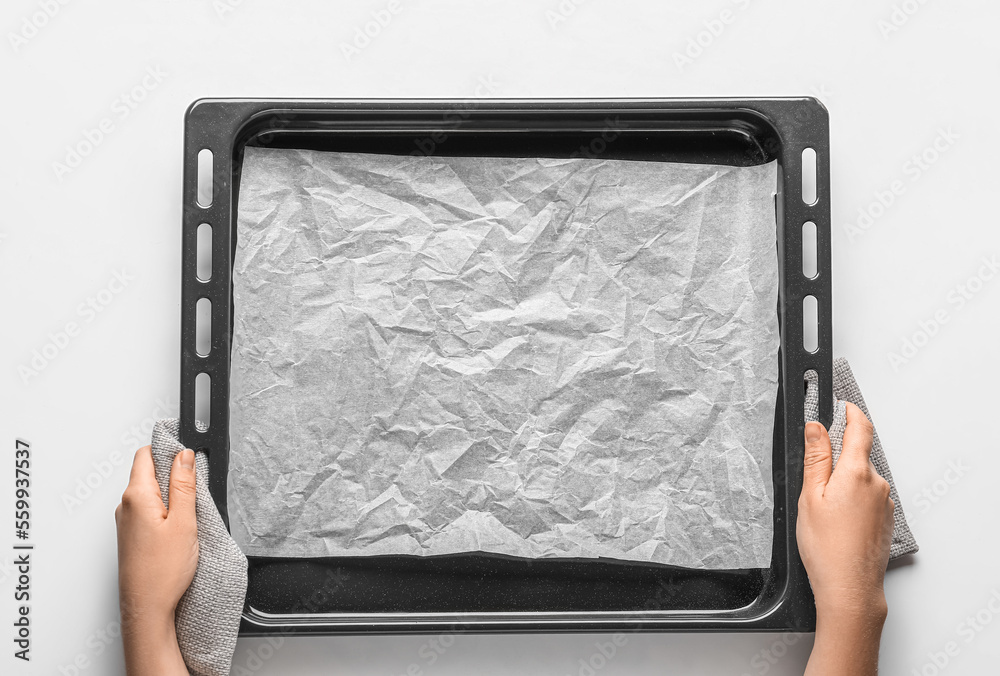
485,592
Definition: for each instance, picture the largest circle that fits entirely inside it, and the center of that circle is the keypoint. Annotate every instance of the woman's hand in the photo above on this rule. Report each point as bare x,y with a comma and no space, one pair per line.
157,558
844,531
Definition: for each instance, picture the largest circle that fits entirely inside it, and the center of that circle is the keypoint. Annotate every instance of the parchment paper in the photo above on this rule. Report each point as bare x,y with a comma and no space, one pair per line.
533,357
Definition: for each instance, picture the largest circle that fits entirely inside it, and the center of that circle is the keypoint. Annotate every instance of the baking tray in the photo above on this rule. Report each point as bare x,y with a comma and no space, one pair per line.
486,592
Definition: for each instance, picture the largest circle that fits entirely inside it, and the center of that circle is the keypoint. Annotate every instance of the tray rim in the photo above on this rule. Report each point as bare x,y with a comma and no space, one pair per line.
797,122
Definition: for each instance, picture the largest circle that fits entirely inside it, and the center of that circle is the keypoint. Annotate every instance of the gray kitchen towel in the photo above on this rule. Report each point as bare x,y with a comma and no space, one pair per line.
208,615
845,389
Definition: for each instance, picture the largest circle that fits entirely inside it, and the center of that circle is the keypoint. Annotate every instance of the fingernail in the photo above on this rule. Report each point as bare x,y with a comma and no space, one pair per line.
187,458
813,431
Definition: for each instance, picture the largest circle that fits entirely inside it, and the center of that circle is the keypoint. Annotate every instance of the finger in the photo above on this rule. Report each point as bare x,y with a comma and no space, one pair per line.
182,487
858,436
143,473
818,460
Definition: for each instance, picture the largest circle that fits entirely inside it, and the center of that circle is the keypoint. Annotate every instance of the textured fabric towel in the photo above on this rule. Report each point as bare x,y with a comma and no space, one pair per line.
208,615
845,388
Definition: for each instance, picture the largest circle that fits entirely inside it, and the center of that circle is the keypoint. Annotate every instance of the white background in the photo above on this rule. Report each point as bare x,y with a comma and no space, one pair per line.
891,94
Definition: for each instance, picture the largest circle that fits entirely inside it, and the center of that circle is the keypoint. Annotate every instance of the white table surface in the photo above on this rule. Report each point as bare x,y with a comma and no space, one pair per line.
892,89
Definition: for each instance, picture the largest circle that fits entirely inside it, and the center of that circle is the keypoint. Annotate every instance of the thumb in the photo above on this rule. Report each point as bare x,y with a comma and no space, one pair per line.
818,461
182,486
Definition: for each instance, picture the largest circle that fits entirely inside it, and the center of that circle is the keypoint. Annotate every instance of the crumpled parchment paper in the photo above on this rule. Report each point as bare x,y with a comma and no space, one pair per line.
528,356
